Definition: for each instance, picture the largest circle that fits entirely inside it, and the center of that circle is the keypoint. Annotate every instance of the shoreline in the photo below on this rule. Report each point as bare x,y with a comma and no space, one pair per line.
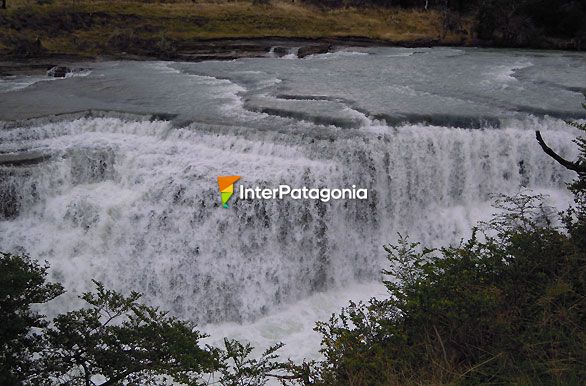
209,49
59,31
231,49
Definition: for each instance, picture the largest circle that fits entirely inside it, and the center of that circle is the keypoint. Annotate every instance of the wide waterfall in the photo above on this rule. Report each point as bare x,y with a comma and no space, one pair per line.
121,186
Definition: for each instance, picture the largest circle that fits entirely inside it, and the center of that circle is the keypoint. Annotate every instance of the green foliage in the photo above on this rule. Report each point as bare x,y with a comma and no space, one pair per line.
22,284
505,309
114,340
507,306
121,340
238,369
522,211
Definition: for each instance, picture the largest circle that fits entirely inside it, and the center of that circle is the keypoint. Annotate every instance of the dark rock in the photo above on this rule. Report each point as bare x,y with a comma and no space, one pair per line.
313,50
9,198
281,51
23,158
58,71
62,71
17,188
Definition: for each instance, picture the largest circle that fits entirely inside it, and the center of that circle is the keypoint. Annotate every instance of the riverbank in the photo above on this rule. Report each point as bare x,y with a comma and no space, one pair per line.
198,31
36,35
195,51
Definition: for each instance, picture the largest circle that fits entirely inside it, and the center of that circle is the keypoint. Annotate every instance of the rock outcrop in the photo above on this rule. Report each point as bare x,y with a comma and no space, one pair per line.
58,71
313,50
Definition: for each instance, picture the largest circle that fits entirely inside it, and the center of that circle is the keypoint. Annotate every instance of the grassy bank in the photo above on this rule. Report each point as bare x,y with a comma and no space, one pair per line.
90,28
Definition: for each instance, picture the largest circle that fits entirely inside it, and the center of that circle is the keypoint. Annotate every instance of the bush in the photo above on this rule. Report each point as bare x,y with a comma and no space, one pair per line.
509,309
25,47
114,338
507,306
523,23
22,284
124,341
165,48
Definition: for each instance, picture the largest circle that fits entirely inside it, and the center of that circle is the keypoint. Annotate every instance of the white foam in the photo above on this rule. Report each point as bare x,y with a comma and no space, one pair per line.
16,83
337,54
504,74
293,324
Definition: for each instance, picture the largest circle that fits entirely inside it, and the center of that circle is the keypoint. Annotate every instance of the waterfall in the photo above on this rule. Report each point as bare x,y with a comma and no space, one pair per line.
134,203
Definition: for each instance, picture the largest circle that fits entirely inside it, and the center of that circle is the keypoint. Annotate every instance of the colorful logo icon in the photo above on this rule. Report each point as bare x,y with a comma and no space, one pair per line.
226,184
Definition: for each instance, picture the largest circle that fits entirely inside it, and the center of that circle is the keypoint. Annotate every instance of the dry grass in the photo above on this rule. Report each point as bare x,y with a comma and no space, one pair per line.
182,20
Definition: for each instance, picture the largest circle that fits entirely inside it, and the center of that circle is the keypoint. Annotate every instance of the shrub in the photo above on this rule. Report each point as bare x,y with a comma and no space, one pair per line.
508,309
114,339
165,48
25,47
124,341
507,306
22,284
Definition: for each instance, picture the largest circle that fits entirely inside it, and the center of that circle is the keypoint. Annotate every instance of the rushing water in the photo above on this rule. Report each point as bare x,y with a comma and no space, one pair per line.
127,193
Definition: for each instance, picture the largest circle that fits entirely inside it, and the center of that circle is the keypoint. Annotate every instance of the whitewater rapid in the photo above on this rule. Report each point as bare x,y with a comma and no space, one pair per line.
130,197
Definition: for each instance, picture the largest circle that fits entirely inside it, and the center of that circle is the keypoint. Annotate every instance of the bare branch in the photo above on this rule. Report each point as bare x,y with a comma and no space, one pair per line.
575,166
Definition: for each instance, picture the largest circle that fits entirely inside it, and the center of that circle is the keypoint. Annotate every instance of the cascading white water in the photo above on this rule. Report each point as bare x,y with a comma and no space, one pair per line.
134,202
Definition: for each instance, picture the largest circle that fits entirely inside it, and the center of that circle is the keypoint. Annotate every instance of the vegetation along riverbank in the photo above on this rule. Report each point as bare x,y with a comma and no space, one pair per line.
195,30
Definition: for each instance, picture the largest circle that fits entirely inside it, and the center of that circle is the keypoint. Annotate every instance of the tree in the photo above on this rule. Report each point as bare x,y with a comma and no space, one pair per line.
575,218
238,369
578,166
22,284
119,340
508,306
114,340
